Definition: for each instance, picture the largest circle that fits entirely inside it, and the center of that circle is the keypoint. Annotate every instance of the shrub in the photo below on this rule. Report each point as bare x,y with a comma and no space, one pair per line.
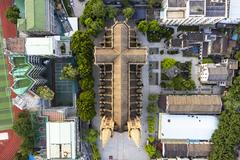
152,108
153,97
151,150
151,139
96,154
172,52
207,60
151,124
162,52
168,63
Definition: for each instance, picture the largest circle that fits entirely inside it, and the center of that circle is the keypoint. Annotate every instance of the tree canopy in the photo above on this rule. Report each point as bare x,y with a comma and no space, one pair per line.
111,12
24,127
12,14
168,63
143,26
91,136
87,83
68,72
83,53
45,93
128,12
227,136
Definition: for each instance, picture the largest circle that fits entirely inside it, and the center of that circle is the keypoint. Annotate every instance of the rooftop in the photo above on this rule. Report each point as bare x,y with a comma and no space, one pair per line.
196,7
121,54
215,8
20,70
15,45
176,3
187,150
35,16
187,127
218,73
195,104
61,140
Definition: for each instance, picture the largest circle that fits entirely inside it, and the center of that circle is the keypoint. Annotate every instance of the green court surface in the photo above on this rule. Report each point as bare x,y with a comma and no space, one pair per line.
6,119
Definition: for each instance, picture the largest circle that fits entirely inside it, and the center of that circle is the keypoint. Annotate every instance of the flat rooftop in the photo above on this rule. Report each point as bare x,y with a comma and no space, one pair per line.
176,3
187,127
197,7
61,140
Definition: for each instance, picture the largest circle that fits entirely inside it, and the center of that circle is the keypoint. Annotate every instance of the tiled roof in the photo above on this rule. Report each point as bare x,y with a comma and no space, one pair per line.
195,104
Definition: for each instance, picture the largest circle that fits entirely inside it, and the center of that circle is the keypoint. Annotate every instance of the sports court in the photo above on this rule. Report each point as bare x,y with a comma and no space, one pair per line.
64,89
5,102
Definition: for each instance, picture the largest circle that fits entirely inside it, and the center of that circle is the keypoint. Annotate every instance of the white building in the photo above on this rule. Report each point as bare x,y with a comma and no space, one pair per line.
48,46
193,12
186,127
186,135
61,140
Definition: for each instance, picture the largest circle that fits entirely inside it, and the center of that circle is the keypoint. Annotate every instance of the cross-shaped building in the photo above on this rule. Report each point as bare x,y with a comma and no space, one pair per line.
120,60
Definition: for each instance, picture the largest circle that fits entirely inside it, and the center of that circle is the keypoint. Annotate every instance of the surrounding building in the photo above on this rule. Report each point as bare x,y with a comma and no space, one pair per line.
120,60
218,74
193,104
186,135
61,140
37,17
192,12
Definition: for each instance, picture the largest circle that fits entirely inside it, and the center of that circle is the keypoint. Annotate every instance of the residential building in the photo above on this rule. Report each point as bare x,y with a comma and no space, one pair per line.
193,104
120,59
218,74
192,12
186,135
37,17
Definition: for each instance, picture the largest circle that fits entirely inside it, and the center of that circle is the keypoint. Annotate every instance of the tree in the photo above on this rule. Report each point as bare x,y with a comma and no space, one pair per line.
189,84
85,110
154,3
168,63
128,12
87,96
143,26
237,55
154,26
45,93
68,72
227,136
12,14
23,126
86,46
111,12
87,83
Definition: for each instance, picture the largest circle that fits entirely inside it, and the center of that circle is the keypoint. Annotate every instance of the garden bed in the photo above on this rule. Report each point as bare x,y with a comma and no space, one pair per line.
177,75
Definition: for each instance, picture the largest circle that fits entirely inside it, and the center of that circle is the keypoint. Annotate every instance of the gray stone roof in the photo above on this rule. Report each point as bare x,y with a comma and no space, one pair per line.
218,74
